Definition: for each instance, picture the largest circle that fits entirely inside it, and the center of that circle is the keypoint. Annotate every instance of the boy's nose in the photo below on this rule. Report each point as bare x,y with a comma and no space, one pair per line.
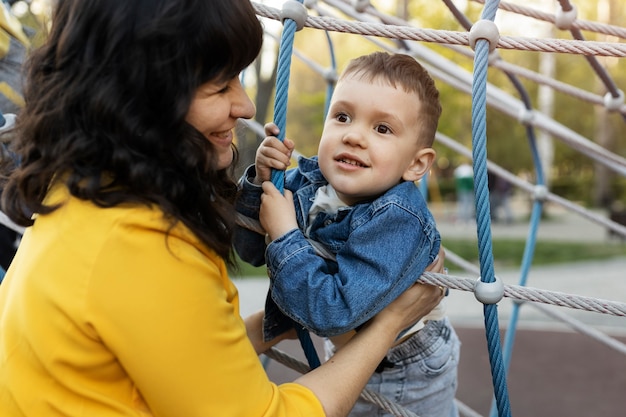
354,137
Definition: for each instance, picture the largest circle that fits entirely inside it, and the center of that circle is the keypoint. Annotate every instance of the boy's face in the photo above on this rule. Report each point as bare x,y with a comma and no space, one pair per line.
370,139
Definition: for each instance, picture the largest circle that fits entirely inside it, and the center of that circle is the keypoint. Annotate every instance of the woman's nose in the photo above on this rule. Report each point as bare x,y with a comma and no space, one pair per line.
242,106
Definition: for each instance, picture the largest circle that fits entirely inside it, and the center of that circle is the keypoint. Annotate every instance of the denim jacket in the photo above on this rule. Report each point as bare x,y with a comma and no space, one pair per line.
381,247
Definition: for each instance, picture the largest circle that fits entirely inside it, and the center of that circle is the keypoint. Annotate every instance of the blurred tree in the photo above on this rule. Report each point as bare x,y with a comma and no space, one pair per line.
507,141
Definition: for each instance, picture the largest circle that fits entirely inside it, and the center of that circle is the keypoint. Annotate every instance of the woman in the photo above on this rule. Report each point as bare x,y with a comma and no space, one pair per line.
118,302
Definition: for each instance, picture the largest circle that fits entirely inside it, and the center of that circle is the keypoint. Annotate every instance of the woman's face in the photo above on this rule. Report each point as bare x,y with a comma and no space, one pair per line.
214,112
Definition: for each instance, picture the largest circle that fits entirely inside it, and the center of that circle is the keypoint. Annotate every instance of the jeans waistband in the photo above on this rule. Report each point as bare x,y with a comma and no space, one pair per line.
420,343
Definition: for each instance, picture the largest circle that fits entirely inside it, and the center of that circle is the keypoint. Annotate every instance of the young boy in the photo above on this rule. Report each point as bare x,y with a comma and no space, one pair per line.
357,200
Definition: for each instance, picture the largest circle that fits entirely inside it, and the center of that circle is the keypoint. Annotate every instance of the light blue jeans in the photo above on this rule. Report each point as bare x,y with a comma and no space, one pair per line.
423,378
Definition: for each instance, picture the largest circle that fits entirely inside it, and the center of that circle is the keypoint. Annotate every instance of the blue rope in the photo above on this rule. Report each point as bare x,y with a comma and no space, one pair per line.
282,90
529,250
280,119
423,186
330,85
479,151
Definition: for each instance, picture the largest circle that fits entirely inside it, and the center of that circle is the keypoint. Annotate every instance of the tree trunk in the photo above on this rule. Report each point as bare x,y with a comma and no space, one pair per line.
545,142
248,141
604,134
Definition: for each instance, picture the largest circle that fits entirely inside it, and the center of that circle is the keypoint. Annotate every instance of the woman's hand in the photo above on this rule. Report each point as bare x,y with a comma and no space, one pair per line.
409,307
254,328
438,267
438,264
338,382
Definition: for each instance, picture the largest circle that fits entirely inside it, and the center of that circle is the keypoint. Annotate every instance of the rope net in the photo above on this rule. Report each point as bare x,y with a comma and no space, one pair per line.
364,19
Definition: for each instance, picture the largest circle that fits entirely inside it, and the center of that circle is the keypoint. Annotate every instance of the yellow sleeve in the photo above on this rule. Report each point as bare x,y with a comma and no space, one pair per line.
171,316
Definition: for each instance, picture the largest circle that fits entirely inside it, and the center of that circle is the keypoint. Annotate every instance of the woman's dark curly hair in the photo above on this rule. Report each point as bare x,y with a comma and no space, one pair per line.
106,100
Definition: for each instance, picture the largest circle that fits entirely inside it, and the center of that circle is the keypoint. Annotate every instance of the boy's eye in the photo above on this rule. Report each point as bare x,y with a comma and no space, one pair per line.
342,117
383,129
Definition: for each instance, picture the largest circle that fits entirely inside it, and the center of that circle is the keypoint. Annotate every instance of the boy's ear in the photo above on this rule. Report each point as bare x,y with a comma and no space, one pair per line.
421,164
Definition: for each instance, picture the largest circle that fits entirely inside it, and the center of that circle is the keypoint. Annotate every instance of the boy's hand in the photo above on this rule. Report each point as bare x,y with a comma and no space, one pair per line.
277,215
272,154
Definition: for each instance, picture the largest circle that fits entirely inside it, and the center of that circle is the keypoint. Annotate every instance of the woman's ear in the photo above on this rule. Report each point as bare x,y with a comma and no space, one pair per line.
421,164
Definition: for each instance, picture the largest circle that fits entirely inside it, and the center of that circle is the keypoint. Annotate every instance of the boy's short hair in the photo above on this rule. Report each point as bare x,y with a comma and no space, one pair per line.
405,71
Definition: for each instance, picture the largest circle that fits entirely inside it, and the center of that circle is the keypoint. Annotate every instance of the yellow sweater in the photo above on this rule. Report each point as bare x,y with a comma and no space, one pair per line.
101,315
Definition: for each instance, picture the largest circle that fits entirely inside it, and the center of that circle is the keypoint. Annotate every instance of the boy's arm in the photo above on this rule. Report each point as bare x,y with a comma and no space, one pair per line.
249,245
271,154
371,271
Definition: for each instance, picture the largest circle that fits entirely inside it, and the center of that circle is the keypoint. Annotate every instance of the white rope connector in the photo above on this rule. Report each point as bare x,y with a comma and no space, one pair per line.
540,192
330,75
484,29
563,20
489,292
9,122
493,57
360,5
295,11
525,116
614,103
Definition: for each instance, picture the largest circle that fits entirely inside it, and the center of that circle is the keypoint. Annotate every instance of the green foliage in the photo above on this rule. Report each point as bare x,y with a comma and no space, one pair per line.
246,270
573,175
507,253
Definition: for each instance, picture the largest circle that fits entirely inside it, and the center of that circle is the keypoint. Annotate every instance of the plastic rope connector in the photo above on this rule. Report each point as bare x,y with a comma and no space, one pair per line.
8,122
484,29
525,116
540,192
493,57
295,11
614,103
330,75
360,5
564,19
489,292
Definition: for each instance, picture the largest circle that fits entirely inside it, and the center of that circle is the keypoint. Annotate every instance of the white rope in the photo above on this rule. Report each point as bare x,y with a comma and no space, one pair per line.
541,79
582,328
526,186
547,17
455,40
367,394
530,188
558,315
531,294
453,37
515,292
461,80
